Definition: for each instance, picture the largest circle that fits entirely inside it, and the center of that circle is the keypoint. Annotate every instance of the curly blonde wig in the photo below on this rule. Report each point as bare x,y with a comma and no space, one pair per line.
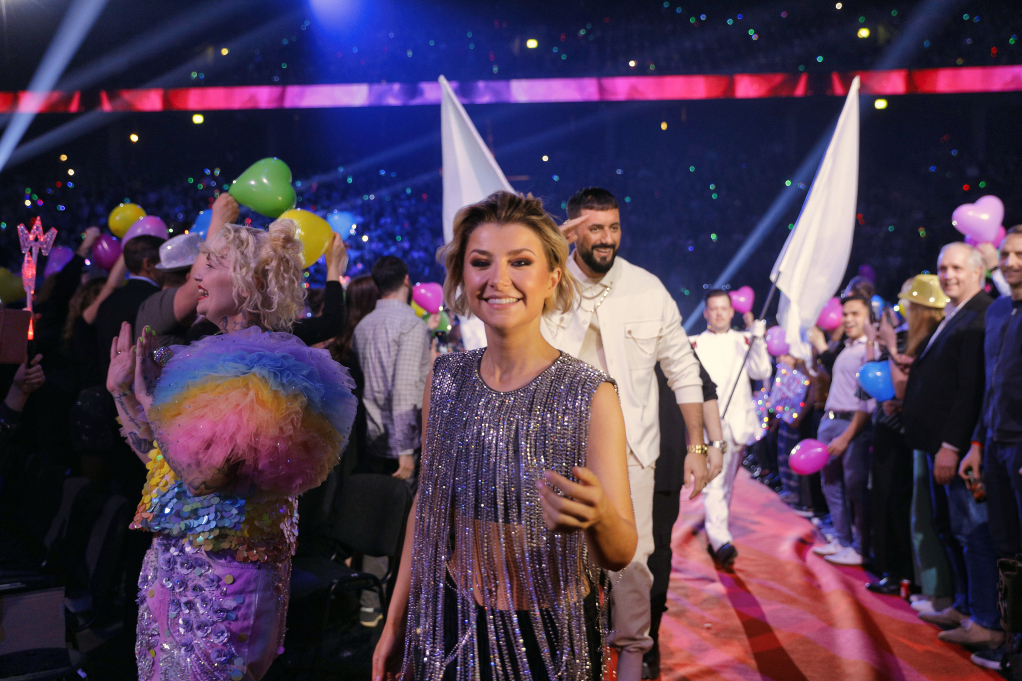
506,208
266,271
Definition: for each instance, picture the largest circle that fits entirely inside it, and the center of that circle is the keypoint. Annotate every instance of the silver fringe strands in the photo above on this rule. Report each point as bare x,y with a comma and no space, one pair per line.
479,525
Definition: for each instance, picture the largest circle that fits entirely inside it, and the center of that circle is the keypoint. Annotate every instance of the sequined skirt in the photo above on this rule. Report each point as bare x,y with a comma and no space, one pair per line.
206,616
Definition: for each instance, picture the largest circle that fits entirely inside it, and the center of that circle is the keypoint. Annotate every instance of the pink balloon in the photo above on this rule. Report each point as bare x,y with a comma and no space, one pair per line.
775,341
429,296
59,256
808,457
995,242
742,299
106,250
980,219
149,225
830,315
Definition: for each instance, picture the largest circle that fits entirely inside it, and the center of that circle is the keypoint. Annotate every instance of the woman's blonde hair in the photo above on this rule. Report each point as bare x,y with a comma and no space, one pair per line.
505,208
922,321
266,271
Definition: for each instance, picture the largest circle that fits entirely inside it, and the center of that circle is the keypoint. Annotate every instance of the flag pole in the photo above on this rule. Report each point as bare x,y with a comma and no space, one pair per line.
745,360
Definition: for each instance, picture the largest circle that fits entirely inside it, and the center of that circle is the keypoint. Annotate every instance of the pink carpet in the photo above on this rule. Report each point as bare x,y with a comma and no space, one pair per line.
785,613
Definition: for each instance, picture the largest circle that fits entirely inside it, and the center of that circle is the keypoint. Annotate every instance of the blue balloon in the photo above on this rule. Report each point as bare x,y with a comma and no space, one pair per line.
201,226
877,304
875,379
341,221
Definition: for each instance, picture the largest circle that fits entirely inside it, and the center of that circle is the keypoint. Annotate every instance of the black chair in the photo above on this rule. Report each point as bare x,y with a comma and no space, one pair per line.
369,518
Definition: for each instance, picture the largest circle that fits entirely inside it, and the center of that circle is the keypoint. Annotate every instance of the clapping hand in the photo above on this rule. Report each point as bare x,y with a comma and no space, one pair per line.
147,371
121,373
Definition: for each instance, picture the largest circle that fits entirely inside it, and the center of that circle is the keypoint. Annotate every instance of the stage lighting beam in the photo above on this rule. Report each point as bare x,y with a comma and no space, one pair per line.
77,22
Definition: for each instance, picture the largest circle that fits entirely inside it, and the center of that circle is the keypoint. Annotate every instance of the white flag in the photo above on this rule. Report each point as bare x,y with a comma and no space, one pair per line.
470,175
812,264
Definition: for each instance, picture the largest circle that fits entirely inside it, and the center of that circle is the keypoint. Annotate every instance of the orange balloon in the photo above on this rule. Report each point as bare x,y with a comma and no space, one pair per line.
124,216
313,231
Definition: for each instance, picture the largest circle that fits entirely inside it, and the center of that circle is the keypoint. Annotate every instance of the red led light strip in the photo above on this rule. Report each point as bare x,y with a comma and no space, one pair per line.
525,91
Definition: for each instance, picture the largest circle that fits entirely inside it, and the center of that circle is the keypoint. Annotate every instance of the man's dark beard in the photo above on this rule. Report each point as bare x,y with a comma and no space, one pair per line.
595,265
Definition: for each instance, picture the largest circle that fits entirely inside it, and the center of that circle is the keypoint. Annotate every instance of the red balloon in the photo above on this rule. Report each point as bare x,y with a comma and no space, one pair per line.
830,315
742,299
106,250
808,457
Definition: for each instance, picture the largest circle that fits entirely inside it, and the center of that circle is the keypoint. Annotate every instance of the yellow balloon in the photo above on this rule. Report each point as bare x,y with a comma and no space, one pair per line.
124,216
418,310
313,231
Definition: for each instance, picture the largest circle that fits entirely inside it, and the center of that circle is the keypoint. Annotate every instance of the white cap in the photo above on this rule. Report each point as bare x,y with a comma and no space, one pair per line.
179,252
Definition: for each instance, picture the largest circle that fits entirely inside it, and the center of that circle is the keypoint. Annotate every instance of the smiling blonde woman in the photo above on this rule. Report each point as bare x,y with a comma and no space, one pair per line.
523,498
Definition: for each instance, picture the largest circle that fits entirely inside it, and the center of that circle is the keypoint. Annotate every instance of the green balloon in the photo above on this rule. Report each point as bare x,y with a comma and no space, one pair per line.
445,323
265,187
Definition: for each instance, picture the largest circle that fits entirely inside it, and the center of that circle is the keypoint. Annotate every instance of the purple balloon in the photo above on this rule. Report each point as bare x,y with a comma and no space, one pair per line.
429,296
742,299
808,457
866,272
775,341
830,315
149,225
995,242
59,256
979,220
106,250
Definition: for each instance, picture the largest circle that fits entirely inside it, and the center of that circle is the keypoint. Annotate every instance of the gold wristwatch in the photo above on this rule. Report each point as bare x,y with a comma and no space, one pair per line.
721,445
698,449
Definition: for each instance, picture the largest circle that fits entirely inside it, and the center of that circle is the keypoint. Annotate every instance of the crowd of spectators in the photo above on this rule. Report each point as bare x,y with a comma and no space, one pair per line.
653,38
921,484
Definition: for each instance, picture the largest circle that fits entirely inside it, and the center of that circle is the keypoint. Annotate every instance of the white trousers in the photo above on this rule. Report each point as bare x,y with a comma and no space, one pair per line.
717,494
629,597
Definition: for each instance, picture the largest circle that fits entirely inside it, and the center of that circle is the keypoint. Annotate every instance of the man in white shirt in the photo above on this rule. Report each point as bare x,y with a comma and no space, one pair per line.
625,323
844,430
721,349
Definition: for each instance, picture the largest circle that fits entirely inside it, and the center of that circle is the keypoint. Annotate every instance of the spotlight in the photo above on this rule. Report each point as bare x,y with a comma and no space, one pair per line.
197,119
663,125
224,51
838,6
133,137
63,157
532,43
70,171
880,104
632,63
545,157
863,32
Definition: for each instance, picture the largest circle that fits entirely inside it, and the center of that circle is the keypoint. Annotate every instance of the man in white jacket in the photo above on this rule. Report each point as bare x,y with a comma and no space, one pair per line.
625,323
721,349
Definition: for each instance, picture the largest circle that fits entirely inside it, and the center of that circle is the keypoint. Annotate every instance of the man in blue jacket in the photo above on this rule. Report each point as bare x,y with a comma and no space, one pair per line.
997,439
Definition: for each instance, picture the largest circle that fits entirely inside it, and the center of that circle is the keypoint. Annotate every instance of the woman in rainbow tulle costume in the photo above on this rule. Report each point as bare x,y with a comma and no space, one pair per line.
232,428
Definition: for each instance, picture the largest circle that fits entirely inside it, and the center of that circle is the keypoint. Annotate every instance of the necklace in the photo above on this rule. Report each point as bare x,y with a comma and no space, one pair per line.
598,297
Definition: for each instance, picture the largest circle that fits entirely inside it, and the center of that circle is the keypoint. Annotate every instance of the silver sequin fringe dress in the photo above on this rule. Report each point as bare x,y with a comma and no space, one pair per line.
479,531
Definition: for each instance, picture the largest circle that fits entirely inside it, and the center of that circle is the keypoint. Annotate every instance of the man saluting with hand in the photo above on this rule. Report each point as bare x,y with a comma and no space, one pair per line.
624,323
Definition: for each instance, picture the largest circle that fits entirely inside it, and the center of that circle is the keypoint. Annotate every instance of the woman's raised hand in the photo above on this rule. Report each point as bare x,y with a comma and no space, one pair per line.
582,505
122,362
